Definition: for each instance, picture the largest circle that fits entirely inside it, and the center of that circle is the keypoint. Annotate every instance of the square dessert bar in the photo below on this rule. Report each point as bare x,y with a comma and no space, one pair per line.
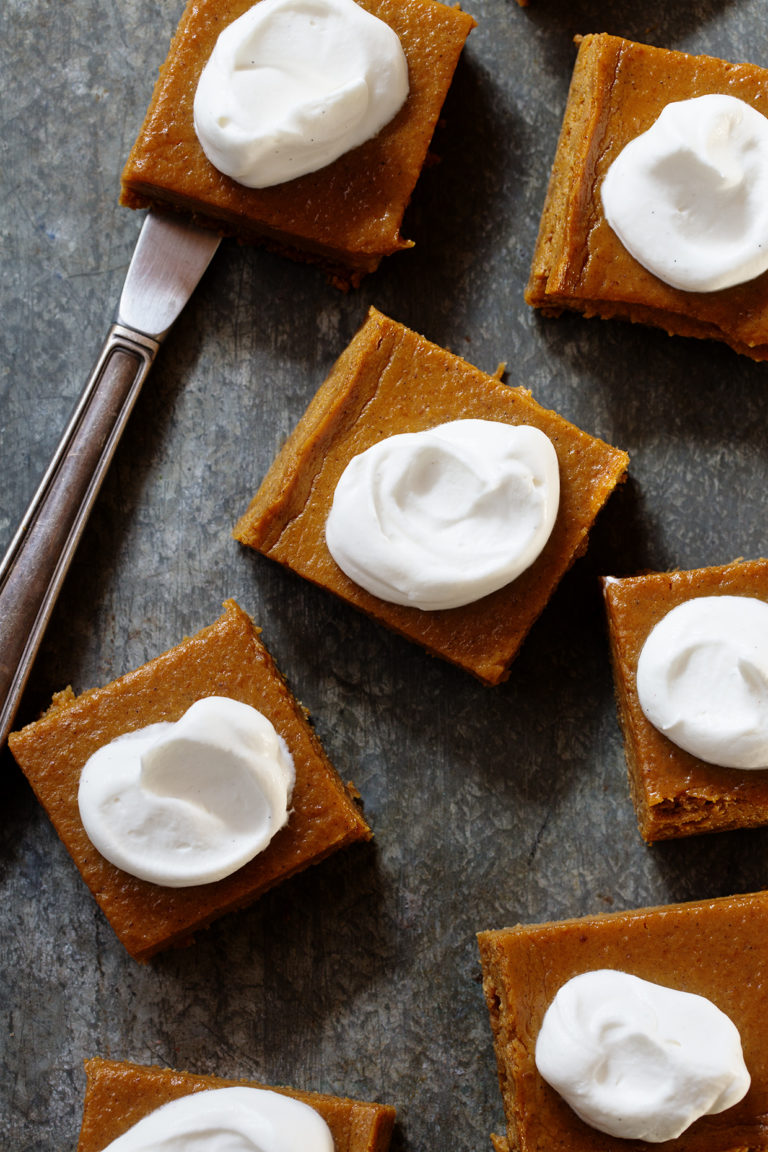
715,948
225,659
118,1095
675,793
390,380
618,90
347,216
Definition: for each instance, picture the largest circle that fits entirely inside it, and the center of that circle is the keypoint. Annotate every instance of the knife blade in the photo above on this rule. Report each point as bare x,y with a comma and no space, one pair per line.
168,261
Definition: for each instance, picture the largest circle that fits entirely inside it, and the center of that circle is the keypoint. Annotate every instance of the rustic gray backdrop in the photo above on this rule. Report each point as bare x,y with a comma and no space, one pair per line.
489,805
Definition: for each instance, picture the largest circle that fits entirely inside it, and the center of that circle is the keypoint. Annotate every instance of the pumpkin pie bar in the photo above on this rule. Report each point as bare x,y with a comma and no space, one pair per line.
675,793
716,948
118,1095
391,380
618,90
346,216
225,659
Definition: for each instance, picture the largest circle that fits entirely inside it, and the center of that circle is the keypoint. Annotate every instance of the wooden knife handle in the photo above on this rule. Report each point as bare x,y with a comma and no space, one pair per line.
34,567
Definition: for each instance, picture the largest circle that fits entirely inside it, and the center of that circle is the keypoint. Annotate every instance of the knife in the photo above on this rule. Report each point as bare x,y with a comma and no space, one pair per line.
168,261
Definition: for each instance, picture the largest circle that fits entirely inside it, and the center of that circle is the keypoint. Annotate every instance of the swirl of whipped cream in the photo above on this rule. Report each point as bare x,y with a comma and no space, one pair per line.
229,1120
191,802
702,679
639,1060
293,84
440,518
689,197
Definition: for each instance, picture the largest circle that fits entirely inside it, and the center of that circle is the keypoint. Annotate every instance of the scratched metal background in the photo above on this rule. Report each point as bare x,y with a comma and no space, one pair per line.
489,805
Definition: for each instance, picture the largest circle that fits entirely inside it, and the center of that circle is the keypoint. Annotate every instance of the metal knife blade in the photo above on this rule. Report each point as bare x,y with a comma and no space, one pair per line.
169,259
170,256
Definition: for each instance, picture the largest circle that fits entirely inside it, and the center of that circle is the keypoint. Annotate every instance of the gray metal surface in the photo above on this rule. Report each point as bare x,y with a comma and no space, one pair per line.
489,805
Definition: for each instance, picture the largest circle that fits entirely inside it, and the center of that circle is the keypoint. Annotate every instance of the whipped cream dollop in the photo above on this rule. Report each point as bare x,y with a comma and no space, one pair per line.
689,197
702,679
293,84
440,518
190,802
229,1120
639,1060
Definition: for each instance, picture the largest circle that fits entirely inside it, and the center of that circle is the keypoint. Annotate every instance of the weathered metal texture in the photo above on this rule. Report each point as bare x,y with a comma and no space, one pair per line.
489,805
